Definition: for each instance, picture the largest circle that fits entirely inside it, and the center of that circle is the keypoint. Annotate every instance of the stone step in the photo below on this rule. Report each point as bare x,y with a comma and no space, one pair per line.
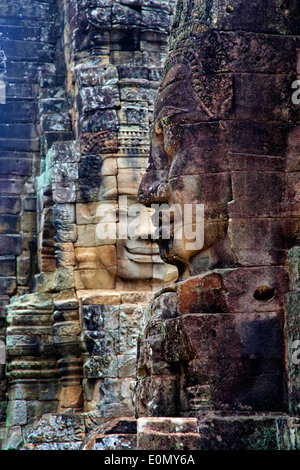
113,442
117,434
44,35
33,51
168,434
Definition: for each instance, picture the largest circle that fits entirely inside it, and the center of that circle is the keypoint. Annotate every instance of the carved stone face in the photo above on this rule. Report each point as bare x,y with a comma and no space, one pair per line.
187,166
137,258
117,262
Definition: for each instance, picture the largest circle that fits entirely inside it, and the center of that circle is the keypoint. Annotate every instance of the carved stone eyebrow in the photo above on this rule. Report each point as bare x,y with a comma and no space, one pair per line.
170,117
171,111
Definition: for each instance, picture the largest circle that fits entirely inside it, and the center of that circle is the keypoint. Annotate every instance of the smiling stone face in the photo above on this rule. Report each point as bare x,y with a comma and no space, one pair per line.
138,255
130,261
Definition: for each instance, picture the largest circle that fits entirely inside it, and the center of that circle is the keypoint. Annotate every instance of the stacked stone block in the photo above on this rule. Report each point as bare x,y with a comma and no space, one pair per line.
110,337
28,48
95,73
32,370
226,136
117,51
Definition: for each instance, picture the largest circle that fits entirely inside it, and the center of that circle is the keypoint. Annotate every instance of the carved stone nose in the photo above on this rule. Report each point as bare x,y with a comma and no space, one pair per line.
153,187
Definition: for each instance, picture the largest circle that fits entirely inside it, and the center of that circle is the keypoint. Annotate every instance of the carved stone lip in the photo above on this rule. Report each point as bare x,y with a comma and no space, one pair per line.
141,247
135,251
138,257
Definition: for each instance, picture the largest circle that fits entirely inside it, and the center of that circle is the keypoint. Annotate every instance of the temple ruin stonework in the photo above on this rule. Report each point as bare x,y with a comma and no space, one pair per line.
81,79
218,344
133,343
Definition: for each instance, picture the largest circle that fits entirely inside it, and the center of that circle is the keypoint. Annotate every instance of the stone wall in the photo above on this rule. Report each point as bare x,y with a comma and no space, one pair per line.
220,342
88,72
81,81
30,45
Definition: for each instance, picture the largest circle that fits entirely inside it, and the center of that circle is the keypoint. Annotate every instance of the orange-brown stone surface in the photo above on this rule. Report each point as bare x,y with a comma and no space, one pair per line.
224,136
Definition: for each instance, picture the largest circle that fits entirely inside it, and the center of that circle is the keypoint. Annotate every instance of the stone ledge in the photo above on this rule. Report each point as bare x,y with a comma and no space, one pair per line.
168,434
98,297
212,431
112,297
117,434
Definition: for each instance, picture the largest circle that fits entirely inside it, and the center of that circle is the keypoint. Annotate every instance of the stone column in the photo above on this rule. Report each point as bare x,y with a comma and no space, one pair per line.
66,340
115,52
32,369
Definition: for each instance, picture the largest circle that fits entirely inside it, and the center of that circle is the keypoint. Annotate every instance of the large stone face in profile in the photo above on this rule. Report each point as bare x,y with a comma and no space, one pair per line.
224,135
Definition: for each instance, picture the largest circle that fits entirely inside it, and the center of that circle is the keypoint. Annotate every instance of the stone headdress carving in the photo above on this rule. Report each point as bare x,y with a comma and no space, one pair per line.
190,44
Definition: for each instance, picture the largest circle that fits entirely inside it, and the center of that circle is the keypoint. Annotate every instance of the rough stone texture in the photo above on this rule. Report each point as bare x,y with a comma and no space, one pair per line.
168,434
292,332
225,135
110,337
117,434
56,432
240,432
81,79
81,82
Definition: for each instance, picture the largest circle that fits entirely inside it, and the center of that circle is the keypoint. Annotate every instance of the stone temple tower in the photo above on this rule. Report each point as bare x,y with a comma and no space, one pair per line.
220,345
123,343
